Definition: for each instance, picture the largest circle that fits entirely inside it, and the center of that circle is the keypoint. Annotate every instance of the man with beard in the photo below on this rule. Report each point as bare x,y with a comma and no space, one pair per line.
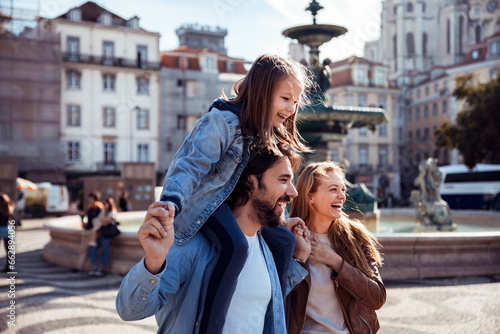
171,281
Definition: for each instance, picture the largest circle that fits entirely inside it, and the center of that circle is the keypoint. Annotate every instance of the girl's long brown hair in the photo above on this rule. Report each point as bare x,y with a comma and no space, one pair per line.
349,237
255,92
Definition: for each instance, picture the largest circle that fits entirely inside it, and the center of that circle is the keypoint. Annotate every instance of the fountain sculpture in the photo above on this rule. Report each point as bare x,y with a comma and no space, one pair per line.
432,211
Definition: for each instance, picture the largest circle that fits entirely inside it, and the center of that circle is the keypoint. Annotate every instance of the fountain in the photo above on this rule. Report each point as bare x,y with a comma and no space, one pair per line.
432,212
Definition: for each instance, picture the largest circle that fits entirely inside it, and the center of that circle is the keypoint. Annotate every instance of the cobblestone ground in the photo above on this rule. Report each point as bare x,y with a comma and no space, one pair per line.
51,299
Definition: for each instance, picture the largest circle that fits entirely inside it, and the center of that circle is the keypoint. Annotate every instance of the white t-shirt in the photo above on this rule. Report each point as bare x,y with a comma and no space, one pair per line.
251,298
323,313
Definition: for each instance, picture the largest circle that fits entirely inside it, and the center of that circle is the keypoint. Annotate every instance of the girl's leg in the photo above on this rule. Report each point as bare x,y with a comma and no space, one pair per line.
226,236
281,242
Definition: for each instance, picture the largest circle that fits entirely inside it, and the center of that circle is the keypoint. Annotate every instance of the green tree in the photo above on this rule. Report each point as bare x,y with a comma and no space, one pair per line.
475,132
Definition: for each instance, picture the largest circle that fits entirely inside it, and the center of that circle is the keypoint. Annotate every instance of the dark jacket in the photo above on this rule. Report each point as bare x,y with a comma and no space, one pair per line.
358,296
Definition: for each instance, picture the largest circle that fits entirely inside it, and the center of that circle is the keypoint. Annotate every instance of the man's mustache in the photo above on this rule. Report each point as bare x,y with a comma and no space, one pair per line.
284,198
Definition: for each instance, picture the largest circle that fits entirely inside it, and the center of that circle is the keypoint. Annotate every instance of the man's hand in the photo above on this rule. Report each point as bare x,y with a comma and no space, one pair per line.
156,235
292,222
302,242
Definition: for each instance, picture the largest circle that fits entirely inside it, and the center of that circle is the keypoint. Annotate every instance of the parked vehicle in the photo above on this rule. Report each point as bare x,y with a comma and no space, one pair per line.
478,188
47,199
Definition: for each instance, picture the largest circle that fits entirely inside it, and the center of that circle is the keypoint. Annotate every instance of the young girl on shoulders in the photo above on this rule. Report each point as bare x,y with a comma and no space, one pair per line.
206,168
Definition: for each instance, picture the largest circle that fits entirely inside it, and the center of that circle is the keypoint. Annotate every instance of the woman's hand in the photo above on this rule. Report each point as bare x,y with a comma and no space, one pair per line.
302,243
322,253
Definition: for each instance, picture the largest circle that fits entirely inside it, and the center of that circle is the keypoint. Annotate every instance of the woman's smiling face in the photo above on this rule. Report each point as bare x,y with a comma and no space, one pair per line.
329,198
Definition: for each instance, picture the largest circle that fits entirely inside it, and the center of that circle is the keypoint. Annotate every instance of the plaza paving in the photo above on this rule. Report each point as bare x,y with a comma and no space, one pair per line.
51,299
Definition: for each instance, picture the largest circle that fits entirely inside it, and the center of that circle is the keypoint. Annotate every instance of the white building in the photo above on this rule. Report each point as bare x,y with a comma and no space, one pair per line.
109,89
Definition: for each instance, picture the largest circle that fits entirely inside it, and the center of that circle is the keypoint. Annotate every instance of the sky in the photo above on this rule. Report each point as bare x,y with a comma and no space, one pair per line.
254,26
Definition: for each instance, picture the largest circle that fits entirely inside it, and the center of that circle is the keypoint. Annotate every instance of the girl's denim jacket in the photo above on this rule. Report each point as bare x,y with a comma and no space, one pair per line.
206,168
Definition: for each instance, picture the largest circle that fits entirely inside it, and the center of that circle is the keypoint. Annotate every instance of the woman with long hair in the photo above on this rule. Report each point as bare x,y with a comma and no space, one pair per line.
107,216
344,287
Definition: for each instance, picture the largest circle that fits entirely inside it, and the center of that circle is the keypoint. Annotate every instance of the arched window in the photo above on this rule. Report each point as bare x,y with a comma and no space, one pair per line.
409,7
424,44
395,50
410,44
460,34
478,33
395,10
423,7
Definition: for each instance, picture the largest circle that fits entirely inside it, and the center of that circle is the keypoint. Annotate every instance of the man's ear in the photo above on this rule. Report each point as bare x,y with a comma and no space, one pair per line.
255,183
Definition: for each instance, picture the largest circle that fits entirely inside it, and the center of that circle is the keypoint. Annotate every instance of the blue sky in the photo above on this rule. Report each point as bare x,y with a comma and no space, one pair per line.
254,26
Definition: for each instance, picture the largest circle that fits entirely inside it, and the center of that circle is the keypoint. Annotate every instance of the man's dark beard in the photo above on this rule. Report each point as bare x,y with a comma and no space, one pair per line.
265,212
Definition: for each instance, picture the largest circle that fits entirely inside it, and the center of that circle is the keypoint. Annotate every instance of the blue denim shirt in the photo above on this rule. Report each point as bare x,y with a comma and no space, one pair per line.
176,295
206,168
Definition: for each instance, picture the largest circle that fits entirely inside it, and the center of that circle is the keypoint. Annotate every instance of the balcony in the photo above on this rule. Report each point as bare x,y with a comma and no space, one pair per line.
107,166
107,61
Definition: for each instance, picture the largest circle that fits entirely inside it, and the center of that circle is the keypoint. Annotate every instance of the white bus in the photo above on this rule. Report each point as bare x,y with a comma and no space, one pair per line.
478,188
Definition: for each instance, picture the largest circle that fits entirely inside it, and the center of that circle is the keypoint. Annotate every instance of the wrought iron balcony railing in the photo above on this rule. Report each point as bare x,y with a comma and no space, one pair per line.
110,61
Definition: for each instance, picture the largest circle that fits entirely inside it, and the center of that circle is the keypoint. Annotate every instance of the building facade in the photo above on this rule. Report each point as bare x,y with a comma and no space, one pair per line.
426,44
109,89
30,102
192,77
372,153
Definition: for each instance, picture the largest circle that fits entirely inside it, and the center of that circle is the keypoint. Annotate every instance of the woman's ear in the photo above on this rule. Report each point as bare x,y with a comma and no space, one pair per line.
310,199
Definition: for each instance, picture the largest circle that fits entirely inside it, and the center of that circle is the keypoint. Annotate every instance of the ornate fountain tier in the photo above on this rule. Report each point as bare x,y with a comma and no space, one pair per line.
314,35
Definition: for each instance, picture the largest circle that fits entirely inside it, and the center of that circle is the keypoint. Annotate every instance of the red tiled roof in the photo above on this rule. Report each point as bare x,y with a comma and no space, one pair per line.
91,11
353,60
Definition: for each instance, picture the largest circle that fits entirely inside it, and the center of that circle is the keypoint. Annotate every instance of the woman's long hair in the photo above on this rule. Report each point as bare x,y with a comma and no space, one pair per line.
349,237
254,94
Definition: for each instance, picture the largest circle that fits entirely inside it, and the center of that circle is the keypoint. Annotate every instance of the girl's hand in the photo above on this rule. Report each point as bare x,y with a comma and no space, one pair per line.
322,253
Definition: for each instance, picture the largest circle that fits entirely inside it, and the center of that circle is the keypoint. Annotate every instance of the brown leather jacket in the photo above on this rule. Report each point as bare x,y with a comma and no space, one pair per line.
358,296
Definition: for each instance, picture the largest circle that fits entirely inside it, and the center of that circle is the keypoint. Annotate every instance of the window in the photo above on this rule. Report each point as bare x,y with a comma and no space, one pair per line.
142,86
417,136
73,47
426,133
142,55
410,44
109,154
410,136
436,89
495,48
75,15
108,82
410,116
73,79
108,52
108,117
423,7
426,91
181,122
417,114
105,19
478,34
361,75
426,112
494,73
445,107
448,37
73,151
418,94
191,88
335,155
381,101
209,64
363,156
409,7
362,132
380,77
348,99
383,156
460,34
230,66
434,109
142,118
142,152
382,130
395,51
361,100
475,54
73,115
424,43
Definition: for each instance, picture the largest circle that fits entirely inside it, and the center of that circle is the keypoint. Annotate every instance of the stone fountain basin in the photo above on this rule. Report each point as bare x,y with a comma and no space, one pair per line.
406,255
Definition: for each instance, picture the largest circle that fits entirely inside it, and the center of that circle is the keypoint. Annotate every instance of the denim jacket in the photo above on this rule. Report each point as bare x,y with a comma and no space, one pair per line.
206,168
176,295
